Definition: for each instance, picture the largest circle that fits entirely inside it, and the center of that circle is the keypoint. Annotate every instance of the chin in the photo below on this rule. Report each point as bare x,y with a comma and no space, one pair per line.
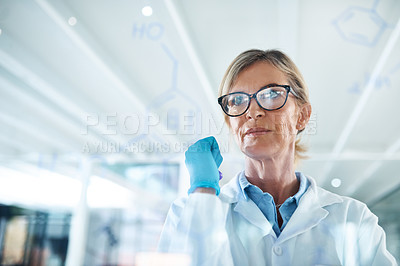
258,151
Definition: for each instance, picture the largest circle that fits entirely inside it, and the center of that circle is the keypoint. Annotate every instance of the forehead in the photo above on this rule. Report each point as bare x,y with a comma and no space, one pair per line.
257,76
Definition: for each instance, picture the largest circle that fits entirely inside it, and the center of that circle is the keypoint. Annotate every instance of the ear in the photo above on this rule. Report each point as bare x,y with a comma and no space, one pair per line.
304,116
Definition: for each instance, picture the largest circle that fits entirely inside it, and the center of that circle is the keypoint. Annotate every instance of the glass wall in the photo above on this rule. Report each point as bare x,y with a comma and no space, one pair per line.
86,211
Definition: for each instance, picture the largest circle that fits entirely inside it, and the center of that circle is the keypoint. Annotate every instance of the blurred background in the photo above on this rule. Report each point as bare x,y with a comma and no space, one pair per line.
99,100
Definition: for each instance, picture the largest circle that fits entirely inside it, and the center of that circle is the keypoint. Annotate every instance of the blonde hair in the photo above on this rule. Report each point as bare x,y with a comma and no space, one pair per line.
282,62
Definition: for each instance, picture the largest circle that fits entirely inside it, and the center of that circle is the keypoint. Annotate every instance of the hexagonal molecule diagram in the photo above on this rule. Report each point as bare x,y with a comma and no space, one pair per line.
179,112
360,25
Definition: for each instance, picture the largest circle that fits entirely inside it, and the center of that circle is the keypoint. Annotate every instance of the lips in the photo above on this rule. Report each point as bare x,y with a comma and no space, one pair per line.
256,131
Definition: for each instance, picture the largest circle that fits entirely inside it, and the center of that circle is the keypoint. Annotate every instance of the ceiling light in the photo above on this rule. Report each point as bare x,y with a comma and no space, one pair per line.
336,182
72,21
0,31
147,11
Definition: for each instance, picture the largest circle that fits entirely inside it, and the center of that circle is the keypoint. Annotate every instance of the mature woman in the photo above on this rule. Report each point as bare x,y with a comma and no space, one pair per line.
268,214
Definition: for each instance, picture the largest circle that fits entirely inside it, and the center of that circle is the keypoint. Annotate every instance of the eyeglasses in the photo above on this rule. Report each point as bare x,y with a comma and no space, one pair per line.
271,97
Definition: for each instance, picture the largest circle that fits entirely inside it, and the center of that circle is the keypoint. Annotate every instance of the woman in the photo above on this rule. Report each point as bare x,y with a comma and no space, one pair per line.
268,214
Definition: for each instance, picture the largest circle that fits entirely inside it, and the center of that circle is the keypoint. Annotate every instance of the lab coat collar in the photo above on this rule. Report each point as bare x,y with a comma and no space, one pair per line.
310,211
249,210
232,193
314,197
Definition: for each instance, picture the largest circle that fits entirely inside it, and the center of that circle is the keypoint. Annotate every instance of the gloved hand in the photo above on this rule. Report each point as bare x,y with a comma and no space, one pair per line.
202,160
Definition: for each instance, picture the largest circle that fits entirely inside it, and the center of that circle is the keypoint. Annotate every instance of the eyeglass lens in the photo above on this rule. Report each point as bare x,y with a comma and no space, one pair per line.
237,103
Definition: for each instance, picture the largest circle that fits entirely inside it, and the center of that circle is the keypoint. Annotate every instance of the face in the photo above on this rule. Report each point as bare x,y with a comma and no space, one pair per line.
263,134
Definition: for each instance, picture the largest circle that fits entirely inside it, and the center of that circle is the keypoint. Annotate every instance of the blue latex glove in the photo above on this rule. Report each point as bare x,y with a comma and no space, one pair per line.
202,160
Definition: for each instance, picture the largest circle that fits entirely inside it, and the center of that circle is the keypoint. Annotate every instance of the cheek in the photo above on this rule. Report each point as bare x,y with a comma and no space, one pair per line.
284,124
234,125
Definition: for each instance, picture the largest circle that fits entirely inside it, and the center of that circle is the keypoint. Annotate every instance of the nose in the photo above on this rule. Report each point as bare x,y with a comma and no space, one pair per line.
254,111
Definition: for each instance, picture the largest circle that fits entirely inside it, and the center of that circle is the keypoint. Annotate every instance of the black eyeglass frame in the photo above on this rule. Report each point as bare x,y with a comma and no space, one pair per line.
254,95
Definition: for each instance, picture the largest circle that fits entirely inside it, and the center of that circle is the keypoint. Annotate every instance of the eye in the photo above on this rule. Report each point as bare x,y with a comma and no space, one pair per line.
274,93
238,100
271,94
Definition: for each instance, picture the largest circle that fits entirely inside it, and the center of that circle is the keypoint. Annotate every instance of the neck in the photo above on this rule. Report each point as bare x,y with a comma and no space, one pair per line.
273,175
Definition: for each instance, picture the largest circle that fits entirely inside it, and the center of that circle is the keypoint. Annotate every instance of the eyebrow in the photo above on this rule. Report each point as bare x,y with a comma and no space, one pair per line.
262,87
269,85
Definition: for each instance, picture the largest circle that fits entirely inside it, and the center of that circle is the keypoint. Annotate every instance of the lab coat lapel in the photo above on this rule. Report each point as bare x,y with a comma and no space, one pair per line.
302,220
249,210
310,211
246,208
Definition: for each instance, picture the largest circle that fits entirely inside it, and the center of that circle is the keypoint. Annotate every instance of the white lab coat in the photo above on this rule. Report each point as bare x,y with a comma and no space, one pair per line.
325,229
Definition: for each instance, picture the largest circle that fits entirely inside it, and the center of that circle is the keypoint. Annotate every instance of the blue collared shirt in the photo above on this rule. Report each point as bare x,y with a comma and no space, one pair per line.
266,204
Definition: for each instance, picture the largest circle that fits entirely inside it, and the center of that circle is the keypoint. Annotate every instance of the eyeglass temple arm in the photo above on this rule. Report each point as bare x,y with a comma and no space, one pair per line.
293,92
